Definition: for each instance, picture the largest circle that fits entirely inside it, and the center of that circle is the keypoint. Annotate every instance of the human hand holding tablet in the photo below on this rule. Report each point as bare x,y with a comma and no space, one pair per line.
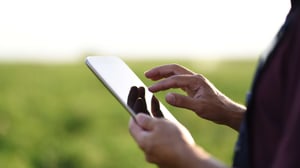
128,89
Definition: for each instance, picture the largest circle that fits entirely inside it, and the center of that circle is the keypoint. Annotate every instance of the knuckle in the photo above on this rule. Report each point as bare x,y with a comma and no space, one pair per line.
175,66
199,77
178,69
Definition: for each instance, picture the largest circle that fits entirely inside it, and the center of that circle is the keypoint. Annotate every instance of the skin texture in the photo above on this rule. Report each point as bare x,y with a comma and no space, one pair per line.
168,144
202,96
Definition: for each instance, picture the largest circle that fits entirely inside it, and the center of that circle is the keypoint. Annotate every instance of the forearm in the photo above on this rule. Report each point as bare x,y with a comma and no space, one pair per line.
234,113
203,159
237,115
194,157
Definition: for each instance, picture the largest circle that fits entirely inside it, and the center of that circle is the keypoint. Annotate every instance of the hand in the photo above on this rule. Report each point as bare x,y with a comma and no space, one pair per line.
202,96
136,100
166,144
162,141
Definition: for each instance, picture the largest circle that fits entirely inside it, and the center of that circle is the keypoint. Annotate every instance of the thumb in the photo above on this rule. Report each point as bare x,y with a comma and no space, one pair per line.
145,121
179,100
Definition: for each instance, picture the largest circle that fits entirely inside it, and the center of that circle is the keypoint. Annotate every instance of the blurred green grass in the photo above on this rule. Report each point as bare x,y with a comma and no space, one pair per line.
61,116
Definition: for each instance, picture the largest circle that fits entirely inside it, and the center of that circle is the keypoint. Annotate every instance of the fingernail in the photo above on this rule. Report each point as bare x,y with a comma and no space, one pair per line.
170,98
150,88
147,73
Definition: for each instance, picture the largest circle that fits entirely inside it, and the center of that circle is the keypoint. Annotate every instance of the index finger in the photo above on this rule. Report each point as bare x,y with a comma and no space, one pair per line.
165,71
185,82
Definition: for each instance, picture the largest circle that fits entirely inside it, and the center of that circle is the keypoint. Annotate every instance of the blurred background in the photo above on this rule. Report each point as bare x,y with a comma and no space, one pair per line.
63,30
54,113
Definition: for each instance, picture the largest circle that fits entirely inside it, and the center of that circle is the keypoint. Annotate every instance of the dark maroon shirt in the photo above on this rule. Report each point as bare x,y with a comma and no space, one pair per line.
270,134
274,122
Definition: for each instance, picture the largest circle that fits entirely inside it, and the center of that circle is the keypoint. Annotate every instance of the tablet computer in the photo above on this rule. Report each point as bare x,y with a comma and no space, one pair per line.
118,78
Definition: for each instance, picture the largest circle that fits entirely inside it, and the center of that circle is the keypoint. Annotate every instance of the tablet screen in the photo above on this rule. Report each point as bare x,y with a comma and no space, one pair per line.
118,78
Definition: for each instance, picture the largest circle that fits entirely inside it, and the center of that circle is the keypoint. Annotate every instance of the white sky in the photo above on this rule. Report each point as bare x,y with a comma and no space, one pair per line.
66,29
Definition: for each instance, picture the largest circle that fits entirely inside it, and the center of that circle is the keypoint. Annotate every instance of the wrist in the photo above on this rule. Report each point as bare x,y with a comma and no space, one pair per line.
231,113
195,157
236,117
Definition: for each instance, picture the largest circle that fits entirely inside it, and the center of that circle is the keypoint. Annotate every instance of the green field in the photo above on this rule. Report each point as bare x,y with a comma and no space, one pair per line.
61,116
